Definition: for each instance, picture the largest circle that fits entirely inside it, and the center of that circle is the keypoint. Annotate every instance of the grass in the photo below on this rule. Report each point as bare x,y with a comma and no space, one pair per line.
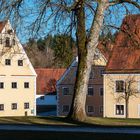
113,121
91,121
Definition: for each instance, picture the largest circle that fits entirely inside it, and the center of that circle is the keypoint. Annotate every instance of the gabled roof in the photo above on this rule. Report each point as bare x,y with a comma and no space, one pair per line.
46,79
125,56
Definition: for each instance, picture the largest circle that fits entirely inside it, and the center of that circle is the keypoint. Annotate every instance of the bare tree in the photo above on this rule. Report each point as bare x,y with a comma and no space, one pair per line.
61,12
124,90
129,89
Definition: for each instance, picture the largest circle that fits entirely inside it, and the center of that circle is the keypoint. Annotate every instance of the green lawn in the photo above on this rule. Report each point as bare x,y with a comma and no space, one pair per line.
91,121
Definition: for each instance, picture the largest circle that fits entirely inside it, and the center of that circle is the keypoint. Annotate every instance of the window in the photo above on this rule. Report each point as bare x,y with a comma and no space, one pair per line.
20,62
91,76
7,42
26,105
42,97
7,62
14,42
65,108
0,40
102,72
90,109
1,107
65,91
14,84
119,109
101,109
119,86
90,91
14,106
1,85
9,31
101,91
26,84
96,56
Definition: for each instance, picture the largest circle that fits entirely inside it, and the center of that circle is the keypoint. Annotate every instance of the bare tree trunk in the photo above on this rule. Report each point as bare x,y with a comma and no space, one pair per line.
85,61
126,108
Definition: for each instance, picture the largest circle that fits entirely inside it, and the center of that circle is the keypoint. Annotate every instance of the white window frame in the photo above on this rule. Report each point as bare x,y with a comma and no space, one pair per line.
115,110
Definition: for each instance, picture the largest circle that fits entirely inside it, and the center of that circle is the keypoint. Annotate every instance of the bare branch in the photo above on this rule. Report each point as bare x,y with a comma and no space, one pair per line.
115,2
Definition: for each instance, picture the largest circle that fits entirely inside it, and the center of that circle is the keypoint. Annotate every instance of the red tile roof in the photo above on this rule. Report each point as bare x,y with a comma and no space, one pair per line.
2,24
129,34
125,56
46,79
124,59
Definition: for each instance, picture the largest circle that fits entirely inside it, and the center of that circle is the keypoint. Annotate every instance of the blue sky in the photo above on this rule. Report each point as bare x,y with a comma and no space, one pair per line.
113,16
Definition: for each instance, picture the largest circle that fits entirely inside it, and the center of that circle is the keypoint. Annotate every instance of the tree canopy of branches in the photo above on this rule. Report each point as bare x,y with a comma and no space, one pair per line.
71,15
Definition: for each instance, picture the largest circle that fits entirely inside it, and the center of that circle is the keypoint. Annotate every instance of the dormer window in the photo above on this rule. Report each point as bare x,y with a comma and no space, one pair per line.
7,42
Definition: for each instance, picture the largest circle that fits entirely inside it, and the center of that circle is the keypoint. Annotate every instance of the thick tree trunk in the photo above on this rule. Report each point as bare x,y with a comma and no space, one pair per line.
85,59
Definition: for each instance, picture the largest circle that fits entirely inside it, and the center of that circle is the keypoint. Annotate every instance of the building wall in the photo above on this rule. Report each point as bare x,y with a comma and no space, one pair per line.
20,95
14,73
111,96
95,100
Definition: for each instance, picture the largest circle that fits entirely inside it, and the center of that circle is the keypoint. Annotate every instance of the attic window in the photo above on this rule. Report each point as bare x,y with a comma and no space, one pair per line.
96,56
9,31
14,42
0,40
7,42
20,62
